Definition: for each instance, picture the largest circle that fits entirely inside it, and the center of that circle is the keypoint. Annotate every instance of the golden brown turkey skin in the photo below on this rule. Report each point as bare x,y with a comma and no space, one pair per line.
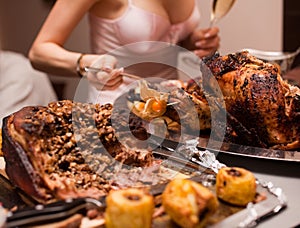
256,95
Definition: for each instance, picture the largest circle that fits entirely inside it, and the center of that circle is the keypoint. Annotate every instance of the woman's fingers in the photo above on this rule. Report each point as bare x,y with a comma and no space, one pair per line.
109,78
208,42
106,80
105,62
211,32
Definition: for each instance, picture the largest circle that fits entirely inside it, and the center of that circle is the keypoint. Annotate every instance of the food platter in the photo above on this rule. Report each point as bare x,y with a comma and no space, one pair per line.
239,150
270,199
204,142
240,105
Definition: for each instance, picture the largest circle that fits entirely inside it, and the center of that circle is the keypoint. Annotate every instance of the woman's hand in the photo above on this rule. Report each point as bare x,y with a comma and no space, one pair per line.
205,42
109,78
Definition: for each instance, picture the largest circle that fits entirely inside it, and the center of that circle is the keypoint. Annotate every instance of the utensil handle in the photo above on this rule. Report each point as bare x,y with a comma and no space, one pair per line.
131,76
51,212
95,70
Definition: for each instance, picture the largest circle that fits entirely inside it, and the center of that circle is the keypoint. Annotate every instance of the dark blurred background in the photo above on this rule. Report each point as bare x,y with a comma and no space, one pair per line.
291,27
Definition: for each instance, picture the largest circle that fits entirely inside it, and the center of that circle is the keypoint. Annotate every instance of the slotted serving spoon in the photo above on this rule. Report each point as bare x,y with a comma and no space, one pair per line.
219,9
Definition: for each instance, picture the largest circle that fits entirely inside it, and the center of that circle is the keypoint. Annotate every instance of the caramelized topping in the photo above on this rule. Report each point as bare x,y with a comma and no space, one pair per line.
133,197
234,172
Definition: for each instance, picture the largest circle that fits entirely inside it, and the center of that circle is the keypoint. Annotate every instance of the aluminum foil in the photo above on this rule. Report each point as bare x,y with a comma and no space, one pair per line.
254,212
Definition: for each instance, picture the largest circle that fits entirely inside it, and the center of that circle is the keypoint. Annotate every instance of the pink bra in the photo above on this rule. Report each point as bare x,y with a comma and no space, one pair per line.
125,36
137,25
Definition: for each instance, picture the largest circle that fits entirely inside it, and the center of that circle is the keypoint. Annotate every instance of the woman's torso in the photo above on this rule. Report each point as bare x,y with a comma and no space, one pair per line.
129,21
142,34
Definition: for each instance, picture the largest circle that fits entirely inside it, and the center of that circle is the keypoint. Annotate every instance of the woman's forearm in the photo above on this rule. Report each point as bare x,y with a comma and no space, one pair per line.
53,59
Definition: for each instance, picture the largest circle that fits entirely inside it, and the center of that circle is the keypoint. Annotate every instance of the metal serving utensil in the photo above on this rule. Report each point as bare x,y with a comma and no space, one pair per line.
41,214
219,9
96,70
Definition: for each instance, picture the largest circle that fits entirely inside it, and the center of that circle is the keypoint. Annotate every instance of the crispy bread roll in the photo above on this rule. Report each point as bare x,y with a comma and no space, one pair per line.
188,203
236,186
129,208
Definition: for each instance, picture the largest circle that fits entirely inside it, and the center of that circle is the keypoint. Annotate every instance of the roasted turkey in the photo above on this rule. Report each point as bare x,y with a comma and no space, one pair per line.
261,109
258,100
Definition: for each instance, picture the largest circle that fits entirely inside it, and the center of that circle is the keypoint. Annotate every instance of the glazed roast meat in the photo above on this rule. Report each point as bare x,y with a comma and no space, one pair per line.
64,150
254,104
257,97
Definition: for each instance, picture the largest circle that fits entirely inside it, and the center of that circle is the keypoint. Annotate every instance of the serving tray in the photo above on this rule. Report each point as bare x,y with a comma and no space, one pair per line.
204,142
231,148
272,199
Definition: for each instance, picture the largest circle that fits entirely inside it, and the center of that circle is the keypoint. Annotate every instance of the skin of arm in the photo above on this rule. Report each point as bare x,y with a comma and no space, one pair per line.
48,54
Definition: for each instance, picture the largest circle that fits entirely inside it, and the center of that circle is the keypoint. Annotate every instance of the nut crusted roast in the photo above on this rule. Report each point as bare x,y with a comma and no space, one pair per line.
64,150
256,95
